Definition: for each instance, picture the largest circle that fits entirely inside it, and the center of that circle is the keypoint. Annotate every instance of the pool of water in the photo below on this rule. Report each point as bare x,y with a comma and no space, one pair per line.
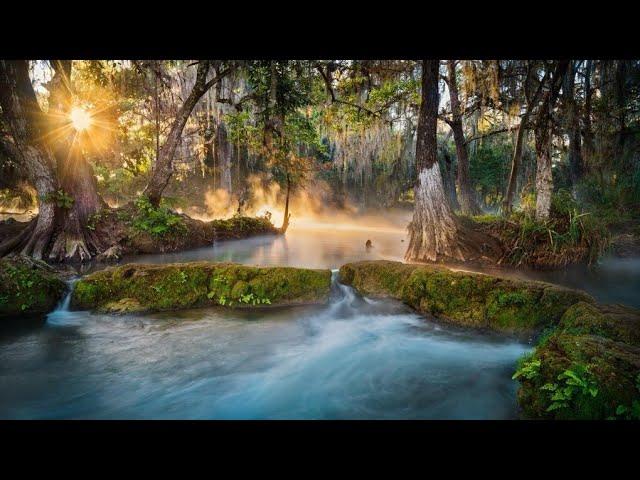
354,358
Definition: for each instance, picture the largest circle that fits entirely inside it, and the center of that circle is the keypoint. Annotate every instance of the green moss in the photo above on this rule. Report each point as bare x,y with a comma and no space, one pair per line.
241,227
589,366
379,278
606,373
28,286
464,298
175,286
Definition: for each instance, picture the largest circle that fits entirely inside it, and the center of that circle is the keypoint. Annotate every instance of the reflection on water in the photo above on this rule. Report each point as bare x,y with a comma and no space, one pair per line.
318,245
353,358
306,248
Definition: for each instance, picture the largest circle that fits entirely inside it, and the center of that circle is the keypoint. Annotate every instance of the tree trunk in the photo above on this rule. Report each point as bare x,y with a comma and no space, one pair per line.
449,180
468,203
75,176
24,118
544,177
287,215
51,163
163,167
588,130
435,233
572,124
507,203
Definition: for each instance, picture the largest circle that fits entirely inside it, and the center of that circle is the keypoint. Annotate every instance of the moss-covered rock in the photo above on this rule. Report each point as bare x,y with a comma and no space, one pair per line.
588,367
138,287
28,286
468,299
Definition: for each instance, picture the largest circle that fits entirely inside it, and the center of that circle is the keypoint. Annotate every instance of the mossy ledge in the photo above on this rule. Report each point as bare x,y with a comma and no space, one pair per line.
467,299
141,287
587,367
586,364
28,286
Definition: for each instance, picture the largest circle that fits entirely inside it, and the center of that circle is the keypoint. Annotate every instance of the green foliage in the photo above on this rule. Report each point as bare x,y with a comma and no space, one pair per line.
567,236
60,198
158,221
574,385
117,184
162,287
615,199
528,368
489,169
28,286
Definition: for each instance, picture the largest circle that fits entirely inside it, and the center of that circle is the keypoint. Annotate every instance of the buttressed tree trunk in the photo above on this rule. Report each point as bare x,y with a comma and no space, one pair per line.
435,233
163,167
26,123
75,175
466,197
544,178
45,146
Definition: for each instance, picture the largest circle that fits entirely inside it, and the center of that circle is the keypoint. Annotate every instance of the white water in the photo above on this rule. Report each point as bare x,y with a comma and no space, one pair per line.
352,358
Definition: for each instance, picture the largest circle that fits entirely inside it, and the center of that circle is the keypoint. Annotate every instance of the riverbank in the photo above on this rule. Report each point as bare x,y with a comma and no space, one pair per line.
136,229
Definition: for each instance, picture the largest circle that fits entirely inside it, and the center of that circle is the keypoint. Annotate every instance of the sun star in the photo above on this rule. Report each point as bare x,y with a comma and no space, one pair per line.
80,119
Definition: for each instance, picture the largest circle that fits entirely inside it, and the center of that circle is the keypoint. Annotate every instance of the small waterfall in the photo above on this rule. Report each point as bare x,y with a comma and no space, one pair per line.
61,315
344,300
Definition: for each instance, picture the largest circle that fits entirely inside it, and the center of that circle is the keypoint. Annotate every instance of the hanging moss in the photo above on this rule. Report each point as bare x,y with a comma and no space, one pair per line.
184,285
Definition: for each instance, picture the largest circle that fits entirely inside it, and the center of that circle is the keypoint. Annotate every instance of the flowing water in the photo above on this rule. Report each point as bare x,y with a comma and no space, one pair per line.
352,358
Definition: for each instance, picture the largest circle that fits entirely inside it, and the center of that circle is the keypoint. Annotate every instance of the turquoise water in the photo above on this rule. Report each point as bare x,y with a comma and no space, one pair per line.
354,358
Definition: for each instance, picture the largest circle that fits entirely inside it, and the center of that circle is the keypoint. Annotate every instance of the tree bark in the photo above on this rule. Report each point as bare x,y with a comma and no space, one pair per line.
587,132
435,233
24,118
287,215
572,124
163,167
74,241
544,177
450,180
468,203
507,203
45,146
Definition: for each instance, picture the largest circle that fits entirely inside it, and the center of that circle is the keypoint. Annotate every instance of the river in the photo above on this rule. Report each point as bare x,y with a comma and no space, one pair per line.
354,358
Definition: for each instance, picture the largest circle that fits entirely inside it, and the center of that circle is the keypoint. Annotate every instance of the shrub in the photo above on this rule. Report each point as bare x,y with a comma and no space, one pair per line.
158,221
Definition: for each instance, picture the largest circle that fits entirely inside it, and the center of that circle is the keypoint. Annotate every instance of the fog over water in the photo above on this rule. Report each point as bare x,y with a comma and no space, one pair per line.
352,358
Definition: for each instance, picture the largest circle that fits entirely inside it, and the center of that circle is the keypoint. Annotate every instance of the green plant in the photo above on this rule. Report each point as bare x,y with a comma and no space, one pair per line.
158,221
575,384
60,198
529,368
253,299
